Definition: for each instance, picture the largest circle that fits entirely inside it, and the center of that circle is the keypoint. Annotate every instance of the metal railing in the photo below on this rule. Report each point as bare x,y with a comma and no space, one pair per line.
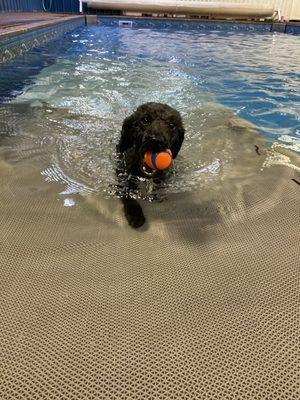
69,6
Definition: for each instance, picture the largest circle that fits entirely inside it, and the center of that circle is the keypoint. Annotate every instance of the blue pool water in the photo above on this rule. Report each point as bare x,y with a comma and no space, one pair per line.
255,74
103,73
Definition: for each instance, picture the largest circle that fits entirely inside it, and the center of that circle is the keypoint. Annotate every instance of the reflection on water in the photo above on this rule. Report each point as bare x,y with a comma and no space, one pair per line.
78,151
104,71
67,120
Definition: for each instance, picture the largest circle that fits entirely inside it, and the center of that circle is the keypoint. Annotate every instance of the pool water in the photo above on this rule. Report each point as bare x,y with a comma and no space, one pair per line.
202,302
82,87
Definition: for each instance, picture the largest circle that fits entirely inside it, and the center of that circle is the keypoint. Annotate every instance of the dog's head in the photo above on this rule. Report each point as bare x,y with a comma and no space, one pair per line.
152,127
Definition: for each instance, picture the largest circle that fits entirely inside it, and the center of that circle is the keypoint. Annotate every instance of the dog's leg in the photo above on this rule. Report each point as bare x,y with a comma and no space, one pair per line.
133,212
126,187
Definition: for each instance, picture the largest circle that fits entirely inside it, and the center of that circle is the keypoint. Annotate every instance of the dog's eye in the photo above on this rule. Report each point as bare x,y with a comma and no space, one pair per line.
145,120
172,125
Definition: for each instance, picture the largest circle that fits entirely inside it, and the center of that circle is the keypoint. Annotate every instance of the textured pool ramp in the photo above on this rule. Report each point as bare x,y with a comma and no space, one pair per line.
203,304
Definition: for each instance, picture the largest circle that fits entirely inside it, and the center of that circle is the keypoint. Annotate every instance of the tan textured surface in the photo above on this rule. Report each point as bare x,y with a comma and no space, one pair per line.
16,23
201,304
192,308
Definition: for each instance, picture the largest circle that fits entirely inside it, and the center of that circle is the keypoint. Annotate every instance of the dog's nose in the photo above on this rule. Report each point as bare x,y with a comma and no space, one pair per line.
157,143
155,139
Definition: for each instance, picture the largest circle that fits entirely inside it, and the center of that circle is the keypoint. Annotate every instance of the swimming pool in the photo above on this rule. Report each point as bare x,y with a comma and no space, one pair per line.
107,72
201,302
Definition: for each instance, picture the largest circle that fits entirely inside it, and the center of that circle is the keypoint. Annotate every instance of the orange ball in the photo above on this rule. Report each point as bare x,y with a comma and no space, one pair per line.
161,160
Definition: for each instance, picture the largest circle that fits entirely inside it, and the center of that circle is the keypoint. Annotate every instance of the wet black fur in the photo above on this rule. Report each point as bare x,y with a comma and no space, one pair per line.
152,127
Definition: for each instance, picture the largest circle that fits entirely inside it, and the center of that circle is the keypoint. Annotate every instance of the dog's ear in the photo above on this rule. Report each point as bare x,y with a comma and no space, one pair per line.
127,135
176,146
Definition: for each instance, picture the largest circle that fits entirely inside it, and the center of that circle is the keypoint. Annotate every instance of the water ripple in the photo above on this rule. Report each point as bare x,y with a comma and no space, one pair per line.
99,75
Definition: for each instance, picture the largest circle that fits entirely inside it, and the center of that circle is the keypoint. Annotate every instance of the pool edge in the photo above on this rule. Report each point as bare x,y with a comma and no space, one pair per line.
201,24
14,44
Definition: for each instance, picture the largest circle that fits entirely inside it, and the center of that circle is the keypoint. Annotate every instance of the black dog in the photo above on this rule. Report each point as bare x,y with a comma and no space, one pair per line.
152,127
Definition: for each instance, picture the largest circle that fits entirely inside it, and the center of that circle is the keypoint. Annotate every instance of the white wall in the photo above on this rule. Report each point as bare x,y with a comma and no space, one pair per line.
289,8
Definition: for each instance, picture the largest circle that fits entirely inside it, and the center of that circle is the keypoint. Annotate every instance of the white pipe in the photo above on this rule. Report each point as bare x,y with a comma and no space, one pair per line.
80,6
185,7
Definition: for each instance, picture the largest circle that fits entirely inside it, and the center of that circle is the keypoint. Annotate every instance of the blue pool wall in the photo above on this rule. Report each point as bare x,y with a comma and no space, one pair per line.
183,24
65,6
13,46
293,29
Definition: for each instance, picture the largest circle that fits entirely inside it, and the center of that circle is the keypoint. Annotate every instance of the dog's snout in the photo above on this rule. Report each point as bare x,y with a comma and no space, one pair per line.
157,135
157,127
156,143
155,139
